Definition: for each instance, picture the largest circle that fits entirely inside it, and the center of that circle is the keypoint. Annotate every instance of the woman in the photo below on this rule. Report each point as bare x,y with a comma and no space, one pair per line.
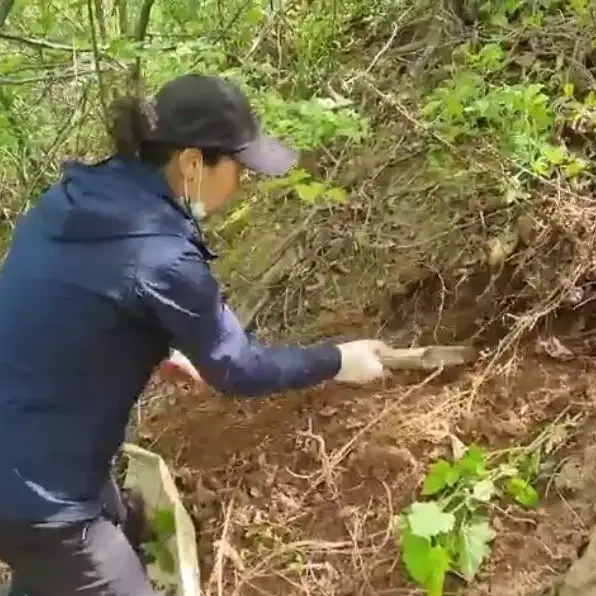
106,272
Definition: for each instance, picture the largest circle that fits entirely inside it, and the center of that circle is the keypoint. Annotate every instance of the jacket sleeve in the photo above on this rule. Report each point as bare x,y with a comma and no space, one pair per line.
186,300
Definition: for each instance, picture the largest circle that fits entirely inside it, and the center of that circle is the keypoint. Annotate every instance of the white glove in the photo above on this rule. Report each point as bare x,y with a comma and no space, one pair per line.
361,361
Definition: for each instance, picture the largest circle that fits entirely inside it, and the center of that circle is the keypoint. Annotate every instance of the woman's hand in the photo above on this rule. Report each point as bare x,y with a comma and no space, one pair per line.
179,367
361,361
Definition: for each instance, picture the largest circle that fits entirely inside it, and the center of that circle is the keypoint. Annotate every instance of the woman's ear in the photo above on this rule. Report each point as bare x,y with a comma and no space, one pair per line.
190,162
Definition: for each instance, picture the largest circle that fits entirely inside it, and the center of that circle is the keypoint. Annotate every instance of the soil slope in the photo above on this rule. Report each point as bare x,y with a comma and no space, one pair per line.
302,489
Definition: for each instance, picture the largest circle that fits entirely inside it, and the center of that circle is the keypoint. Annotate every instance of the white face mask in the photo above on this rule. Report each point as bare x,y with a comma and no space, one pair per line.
197,208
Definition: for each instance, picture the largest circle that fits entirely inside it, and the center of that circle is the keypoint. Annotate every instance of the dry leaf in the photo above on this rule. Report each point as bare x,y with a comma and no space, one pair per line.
553,347
500,248
526,59
327,412
525,229
495,254
288,502
573,296
457,447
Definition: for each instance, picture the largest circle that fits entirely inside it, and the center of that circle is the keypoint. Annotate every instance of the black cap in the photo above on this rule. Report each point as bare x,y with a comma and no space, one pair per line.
209,112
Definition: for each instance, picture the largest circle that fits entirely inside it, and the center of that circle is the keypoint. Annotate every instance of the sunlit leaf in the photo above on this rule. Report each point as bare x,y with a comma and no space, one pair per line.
428,519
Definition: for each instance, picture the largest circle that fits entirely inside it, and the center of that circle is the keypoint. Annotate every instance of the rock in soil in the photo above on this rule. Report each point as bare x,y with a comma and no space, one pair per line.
578,475
581,577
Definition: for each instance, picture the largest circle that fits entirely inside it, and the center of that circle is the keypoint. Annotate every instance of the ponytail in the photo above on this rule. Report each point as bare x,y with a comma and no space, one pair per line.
132,122
127,128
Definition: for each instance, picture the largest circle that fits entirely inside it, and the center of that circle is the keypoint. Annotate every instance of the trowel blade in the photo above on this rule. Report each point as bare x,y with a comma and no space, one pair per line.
428,357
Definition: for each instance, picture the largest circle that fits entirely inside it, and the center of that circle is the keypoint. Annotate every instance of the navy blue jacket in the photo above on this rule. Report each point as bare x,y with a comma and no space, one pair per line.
105,273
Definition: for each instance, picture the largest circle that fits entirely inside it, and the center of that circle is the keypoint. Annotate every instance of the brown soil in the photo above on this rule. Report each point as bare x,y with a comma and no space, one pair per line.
303,488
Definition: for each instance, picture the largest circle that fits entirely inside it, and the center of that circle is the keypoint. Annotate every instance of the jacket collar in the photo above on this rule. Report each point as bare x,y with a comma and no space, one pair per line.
155,182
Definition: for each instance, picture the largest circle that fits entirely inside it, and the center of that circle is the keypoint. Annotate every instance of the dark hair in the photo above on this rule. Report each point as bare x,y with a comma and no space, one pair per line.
128,127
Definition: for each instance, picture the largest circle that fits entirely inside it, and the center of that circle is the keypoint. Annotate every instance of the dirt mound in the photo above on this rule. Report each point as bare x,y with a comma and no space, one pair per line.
299,493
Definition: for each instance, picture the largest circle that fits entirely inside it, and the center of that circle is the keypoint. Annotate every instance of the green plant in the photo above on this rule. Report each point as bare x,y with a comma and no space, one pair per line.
519,118
162,528
307,188
450,531
311,123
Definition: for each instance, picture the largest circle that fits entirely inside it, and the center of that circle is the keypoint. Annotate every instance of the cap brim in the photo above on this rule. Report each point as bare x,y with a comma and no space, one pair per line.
268,155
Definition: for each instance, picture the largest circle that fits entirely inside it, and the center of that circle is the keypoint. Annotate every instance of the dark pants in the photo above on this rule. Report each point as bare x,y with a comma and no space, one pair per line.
92,558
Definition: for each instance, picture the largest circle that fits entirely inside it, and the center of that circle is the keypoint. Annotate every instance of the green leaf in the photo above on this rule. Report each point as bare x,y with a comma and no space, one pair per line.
161,554
428,519
523,492
309,193
473,463
484,490
125,49
499,20
153,549
415,553
426,564
473,547
441,475
438,566
556,155
337,195
164,522
568,90
11,63
276,183
255,16
574,167
166,562
542,167
294,177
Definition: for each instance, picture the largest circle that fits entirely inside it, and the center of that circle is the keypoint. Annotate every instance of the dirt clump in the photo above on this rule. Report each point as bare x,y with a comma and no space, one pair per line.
577,478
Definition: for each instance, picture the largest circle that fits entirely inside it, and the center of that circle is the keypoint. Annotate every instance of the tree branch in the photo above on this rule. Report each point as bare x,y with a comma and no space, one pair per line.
66,76
140,33
97,56
122,8
101,20
6,7
143,22
41,43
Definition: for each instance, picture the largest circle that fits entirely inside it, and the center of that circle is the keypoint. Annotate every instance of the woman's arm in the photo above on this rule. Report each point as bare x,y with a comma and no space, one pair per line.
186,300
